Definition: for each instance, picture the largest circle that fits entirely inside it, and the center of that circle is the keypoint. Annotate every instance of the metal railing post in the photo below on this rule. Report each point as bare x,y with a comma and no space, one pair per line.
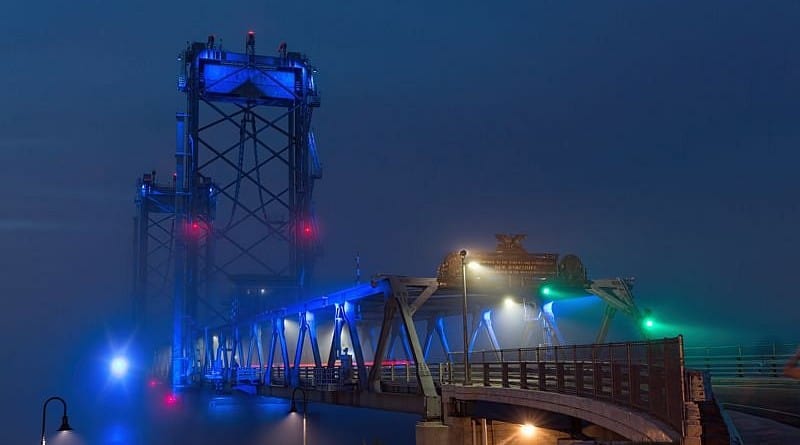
774,361
630,374
739,362
597,373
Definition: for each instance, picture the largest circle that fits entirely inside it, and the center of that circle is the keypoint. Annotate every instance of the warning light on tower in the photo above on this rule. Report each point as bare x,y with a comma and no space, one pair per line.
196,228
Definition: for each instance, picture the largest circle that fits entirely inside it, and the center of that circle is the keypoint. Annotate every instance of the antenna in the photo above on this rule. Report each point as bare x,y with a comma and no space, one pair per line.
358,268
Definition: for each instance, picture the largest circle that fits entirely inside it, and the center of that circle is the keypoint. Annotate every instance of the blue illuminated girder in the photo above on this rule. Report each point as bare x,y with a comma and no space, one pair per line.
398,333
278,338
485,324
436,326
307,326
336,339
350,319
254,347
396,298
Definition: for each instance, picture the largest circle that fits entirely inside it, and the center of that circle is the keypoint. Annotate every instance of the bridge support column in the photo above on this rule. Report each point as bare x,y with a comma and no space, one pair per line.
459,430
397,303
432,433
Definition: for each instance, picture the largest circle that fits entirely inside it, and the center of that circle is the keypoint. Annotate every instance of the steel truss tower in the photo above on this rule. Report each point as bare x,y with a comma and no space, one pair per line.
241,220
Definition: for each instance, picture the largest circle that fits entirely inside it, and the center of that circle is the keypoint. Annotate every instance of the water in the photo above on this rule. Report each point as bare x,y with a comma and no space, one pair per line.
154,418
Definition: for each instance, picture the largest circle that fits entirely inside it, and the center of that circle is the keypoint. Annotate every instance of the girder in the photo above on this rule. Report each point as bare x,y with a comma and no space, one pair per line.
247,126
616,294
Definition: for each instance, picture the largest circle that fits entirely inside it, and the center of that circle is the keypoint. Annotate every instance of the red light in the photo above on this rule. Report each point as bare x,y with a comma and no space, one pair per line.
153,383
195,226
250,32
307,230
171,399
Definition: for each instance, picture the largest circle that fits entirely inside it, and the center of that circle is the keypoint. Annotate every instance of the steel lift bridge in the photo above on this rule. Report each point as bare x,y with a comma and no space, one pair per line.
373,318
236,217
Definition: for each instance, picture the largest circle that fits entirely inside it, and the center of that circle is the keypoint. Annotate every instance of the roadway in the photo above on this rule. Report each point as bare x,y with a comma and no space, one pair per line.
765,411
776,399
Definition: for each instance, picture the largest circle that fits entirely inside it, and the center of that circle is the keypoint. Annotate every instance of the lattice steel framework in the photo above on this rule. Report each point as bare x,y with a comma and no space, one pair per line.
240,217
154,228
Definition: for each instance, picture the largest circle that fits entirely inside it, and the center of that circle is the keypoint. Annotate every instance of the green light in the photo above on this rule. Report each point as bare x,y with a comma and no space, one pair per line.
648,322
546,290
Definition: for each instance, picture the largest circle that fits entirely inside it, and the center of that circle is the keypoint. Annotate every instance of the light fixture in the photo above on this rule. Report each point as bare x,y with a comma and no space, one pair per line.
293,409
119,366
527,430
64,419
463,255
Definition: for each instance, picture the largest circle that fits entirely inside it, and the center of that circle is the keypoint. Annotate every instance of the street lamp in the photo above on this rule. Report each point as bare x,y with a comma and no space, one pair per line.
293,408
463,254
64,420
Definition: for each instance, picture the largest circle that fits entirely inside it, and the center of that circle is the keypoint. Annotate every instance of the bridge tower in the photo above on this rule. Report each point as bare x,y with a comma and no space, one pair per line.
239,210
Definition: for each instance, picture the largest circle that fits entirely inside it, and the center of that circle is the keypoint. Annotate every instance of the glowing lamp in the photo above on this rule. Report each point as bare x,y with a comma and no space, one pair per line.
527,430
547,291
119,366
171,399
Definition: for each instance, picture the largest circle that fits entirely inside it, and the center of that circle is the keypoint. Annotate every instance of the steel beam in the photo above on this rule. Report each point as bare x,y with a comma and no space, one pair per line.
440,329
608,315
311,321
336,339
254,347
389,310
278,340
424,379
352,328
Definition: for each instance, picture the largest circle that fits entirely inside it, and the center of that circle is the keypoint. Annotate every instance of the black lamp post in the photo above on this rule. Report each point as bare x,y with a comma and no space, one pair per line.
293,408
64,420
467,377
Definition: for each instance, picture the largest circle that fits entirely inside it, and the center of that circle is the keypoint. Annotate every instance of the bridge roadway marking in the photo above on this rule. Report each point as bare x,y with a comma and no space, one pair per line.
633,425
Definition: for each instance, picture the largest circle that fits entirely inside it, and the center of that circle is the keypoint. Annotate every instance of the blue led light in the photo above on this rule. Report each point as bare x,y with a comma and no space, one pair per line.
119,366
227,79
548,308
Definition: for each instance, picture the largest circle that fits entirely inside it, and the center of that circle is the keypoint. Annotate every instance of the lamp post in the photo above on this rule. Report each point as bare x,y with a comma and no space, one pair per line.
293,408
64,420
467,379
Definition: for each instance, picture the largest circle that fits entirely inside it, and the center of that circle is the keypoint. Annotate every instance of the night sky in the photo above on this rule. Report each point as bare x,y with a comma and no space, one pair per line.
655,139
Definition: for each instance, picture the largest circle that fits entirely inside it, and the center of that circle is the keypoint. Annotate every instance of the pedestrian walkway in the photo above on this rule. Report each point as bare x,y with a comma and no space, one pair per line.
761,431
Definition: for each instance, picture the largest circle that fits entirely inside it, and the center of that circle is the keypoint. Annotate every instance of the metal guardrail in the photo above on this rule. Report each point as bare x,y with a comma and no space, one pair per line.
740,361
647,376
394,377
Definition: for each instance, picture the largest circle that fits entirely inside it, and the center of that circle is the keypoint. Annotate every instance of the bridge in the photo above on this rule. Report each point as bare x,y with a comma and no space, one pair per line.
635,391
224,255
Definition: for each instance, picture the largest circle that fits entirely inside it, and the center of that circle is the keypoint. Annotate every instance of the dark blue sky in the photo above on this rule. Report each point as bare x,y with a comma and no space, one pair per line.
654,139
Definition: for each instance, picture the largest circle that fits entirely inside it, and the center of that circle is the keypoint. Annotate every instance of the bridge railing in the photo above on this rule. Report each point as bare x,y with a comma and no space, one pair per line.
645,375
395,377
740,361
